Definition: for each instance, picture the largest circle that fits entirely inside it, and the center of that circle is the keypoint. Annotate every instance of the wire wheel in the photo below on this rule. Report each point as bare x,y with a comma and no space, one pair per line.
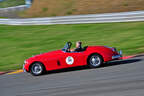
95,60
37,69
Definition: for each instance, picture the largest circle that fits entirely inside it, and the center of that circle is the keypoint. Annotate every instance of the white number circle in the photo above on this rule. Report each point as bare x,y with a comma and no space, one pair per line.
69,60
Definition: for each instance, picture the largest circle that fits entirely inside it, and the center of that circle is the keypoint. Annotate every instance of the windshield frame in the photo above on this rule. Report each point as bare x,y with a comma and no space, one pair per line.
67,47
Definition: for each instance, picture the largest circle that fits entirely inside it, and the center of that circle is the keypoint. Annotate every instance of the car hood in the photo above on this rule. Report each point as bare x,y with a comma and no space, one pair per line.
48,54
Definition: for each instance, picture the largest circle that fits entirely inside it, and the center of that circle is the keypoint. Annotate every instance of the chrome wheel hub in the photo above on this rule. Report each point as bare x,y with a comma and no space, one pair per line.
36,68
95,60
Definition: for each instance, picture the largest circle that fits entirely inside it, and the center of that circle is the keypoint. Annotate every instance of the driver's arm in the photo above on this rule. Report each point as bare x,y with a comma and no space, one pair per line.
72,50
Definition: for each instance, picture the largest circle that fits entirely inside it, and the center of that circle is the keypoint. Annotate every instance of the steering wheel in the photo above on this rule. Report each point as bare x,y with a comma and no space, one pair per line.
69,46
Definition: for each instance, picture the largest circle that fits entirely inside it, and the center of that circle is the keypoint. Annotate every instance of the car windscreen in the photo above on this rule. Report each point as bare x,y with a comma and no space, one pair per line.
67,47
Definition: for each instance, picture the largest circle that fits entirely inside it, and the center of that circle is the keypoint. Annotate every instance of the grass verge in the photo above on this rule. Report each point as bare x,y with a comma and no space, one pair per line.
44,8
17,43
10,3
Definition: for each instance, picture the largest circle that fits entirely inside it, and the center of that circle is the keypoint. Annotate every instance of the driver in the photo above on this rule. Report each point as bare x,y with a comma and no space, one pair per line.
78,47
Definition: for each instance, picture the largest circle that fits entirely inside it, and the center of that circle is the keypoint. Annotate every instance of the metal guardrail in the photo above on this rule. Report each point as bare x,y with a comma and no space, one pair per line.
79,19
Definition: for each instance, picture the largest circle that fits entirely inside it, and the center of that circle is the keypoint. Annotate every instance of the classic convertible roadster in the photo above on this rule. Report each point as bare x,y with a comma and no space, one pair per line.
92,56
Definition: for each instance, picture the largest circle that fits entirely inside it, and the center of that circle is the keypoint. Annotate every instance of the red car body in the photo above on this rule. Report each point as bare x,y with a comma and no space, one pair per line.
58,59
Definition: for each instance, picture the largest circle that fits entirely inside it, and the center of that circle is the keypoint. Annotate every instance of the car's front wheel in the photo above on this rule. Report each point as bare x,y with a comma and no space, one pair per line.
37,69
95,60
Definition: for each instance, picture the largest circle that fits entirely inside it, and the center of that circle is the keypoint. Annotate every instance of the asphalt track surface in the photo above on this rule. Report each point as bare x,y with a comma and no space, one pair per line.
120,78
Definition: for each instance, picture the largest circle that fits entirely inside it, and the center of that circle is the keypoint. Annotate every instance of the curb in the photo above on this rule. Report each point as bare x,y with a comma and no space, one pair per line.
16,72
2,73
12,72
127,57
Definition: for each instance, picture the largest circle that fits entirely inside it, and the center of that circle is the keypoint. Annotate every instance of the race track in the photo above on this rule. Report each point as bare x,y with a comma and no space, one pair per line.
121,78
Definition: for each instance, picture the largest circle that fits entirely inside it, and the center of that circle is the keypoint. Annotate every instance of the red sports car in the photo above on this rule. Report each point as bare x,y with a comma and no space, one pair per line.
93,56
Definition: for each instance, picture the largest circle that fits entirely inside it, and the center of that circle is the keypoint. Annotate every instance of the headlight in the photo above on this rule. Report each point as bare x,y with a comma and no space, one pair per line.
120,52
25,62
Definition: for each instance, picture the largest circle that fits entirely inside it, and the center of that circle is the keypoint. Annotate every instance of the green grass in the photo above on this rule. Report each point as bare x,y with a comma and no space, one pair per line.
3,17
10,3
18,43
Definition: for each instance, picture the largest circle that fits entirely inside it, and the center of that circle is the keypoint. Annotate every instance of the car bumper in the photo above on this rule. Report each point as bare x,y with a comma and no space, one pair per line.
119,56
24,70
116,57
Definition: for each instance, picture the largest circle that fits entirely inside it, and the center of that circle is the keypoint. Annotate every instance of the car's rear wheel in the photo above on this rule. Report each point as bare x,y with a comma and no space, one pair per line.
37,69
95,60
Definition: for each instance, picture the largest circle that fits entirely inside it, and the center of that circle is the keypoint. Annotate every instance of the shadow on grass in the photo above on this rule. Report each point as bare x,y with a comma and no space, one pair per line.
113,63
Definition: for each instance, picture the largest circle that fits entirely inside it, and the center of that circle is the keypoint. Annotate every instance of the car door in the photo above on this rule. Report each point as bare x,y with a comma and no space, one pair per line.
73,59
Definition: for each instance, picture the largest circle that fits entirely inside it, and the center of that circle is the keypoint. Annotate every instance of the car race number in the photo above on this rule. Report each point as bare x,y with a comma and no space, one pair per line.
69,60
